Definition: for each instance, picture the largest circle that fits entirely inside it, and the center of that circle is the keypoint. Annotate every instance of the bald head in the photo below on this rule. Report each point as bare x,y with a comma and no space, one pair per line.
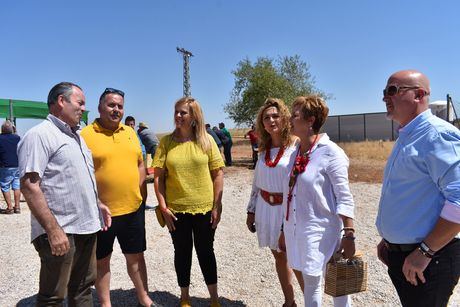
406,95
411,77
7,127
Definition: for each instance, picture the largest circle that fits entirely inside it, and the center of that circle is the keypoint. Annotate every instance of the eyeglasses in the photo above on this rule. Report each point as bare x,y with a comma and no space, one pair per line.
110,90
394,89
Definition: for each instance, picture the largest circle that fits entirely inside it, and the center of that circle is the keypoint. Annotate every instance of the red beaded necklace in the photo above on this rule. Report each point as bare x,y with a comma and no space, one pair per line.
269,162
300,164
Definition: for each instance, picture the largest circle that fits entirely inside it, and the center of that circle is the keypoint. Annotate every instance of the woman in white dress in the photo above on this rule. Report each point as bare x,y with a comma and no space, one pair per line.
318,206
264,212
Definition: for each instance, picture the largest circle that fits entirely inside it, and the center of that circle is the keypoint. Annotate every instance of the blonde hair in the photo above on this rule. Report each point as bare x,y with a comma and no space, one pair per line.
264,136
198,127
312,105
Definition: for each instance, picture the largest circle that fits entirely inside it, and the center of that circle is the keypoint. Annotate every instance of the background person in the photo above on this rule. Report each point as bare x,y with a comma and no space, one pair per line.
148,138
120,178
9,172
190,196
227,146
318,204
254,139
131,122
65,215
214,136
264,208
222,137
419,211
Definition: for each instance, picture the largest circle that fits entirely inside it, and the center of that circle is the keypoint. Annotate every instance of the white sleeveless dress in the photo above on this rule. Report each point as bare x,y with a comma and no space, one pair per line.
268,218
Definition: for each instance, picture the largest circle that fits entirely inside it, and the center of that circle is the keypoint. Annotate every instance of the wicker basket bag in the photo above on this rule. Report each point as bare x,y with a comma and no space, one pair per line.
345,276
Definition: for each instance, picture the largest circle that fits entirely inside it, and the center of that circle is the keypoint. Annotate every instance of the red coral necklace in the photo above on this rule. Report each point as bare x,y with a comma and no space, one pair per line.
268,161
300,164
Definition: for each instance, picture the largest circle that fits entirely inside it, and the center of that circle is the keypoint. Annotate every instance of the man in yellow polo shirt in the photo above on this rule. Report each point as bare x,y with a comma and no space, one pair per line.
120,178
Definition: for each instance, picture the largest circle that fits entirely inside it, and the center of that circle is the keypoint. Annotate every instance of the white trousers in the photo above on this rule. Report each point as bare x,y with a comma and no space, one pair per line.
313,293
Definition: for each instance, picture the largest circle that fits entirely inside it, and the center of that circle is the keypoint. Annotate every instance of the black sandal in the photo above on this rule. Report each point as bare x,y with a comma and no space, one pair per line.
7,211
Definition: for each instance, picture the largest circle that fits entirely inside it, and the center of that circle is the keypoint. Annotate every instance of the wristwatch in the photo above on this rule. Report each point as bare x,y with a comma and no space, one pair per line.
426,250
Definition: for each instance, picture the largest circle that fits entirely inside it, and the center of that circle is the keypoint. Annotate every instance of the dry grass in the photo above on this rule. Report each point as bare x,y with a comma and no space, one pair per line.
238,132
370,150
367,159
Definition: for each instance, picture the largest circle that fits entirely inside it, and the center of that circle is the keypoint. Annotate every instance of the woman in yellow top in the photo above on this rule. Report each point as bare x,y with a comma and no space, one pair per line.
188,185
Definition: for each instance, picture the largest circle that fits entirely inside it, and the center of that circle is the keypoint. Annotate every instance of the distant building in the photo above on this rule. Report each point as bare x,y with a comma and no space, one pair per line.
439,108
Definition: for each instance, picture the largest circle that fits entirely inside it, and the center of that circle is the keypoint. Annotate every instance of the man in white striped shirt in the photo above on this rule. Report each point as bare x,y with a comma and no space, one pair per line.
58,183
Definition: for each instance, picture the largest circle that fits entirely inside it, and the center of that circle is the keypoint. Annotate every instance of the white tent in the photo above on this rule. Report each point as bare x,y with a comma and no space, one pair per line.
439,108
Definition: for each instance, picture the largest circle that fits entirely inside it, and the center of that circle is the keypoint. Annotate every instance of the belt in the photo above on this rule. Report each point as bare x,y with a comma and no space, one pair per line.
401,247
410,247
273,199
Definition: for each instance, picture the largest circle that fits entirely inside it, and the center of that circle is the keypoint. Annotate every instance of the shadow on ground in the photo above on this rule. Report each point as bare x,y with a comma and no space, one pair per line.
241,162
123,298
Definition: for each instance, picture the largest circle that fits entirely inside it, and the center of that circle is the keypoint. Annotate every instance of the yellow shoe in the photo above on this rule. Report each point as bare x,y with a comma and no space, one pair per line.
185,303
215,304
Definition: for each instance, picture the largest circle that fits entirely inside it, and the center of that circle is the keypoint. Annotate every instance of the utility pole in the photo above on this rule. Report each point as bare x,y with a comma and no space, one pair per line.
186,56
448,103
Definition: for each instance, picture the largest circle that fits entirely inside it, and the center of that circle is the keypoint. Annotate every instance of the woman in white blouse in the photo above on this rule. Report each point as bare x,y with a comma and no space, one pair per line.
318,206
264,212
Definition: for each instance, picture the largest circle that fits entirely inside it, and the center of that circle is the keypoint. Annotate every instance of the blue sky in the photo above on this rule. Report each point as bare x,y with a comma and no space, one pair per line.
351,46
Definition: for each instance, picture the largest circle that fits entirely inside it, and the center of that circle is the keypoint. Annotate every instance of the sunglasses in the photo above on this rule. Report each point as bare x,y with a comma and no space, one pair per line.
394,89
110,90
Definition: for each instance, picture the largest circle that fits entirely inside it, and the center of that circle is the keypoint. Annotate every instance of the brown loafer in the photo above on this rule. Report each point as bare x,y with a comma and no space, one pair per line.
17,210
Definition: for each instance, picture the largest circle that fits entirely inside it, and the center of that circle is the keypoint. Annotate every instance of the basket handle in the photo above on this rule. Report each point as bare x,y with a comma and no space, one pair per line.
337,256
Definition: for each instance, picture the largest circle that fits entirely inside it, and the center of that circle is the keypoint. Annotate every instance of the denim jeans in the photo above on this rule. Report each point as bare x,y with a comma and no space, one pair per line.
9,178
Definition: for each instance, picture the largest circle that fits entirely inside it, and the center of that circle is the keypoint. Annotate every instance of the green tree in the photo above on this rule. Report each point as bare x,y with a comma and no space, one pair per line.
284,78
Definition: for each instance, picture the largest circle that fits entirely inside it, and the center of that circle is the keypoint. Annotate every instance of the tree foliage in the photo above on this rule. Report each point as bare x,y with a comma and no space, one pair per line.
284,78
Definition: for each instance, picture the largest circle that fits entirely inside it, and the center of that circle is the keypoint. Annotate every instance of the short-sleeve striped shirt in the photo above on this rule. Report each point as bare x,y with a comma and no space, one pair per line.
63,161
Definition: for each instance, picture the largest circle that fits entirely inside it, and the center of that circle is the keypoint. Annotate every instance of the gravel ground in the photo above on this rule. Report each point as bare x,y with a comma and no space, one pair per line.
246,273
